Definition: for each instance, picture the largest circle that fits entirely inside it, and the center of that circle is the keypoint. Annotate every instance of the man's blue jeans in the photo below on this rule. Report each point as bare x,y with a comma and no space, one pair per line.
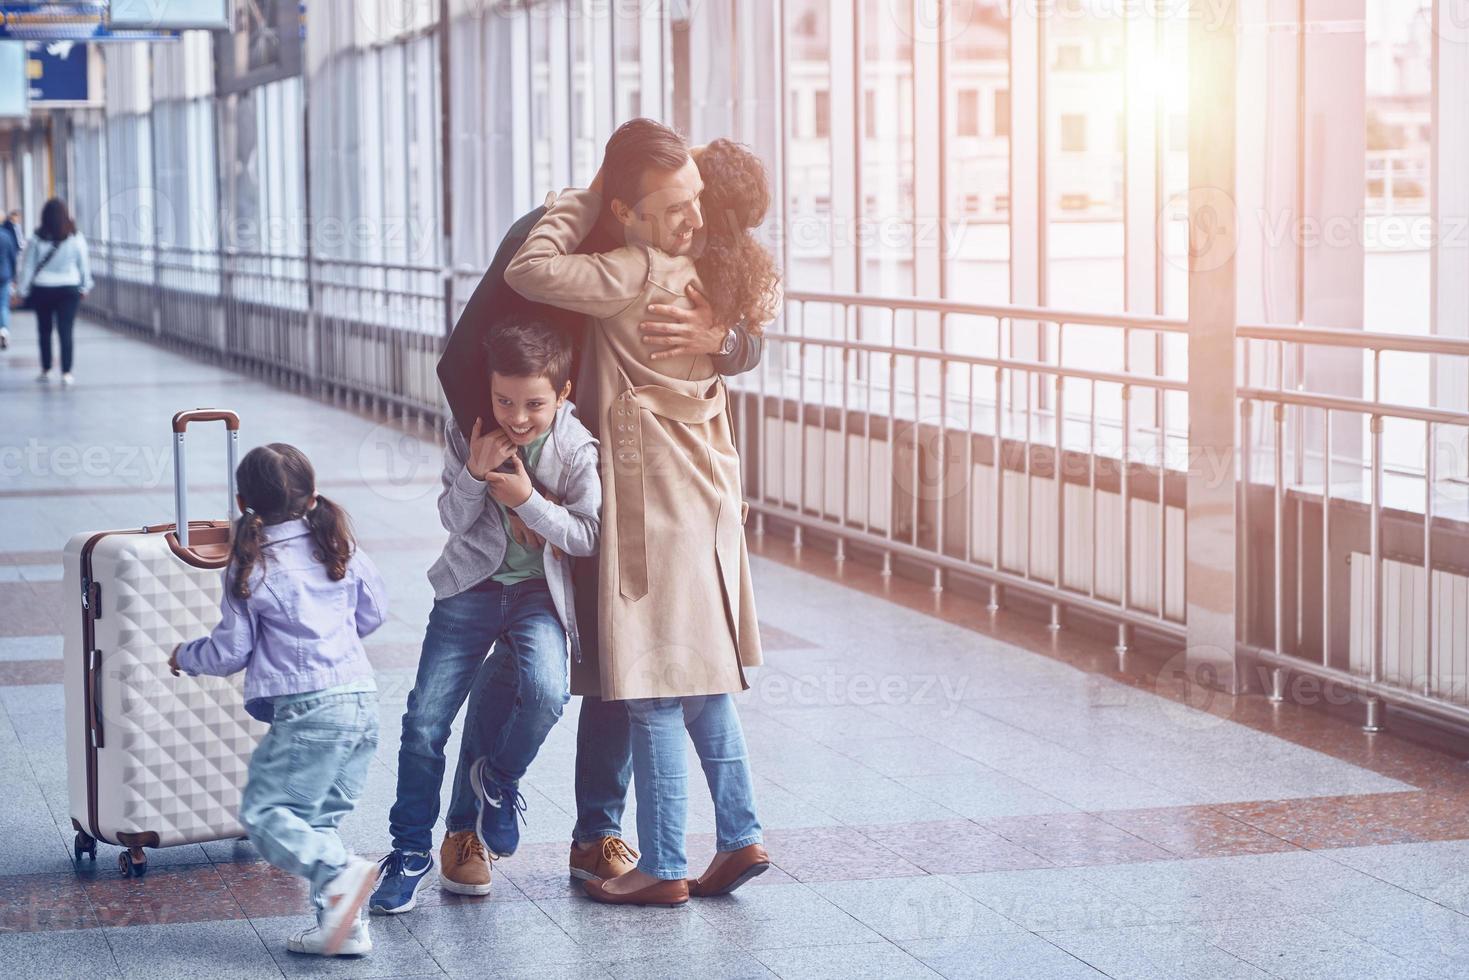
305,776
518,693
661,779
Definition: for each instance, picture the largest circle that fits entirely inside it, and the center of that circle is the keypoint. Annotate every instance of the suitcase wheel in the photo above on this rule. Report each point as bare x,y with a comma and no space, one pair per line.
84,844
133,863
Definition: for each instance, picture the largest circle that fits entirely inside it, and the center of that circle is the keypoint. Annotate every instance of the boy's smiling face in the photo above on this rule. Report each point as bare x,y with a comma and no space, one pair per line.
525,407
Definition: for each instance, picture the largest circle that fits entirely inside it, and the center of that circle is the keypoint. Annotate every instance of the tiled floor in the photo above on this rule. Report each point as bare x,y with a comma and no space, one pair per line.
945,792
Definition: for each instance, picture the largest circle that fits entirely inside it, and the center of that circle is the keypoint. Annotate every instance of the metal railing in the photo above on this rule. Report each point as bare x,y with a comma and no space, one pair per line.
366,333
1036,450
1406,673
983,420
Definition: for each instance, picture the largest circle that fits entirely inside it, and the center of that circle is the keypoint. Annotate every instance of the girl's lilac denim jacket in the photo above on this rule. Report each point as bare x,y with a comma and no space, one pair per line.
298,631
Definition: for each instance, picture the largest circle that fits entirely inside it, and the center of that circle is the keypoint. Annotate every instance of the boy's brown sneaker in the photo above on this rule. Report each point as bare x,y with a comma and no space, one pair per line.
464,865
605,858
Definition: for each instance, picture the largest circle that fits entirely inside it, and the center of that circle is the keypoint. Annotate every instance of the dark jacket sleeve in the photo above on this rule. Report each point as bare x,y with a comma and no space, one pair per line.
746,354
464,372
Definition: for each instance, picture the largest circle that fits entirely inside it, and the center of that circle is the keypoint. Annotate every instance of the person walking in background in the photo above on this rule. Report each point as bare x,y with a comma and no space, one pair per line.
9,259
55,274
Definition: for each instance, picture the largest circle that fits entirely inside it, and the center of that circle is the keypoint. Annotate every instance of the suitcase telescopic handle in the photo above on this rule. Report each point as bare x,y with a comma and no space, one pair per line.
181,422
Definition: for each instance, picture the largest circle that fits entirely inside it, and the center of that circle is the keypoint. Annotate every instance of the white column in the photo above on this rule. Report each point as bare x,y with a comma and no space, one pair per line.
1210,550
1451,223
845,155
1334,183
1027,179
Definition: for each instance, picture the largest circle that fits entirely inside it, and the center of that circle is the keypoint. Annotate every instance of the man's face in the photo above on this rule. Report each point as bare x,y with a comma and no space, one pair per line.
667,214
524,407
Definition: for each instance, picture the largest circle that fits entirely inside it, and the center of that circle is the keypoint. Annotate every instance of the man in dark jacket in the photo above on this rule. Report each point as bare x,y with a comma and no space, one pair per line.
604,753
9,261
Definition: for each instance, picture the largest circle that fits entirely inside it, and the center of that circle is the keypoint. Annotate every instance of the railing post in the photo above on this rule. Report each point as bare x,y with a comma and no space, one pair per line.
1211,530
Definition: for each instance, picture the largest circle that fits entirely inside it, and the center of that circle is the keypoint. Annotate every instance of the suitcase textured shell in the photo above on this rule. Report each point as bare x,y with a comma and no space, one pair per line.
174,751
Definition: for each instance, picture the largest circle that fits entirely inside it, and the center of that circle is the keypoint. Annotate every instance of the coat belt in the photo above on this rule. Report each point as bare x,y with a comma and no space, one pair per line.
629,457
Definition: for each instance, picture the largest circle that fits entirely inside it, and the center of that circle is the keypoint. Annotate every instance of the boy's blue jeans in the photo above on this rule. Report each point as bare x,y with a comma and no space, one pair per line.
660,766
305,776
517,696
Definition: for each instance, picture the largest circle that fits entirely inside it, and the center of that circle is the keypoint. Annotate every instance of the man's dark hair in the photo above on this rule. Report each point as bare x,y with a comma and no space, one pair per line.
639,145
530,349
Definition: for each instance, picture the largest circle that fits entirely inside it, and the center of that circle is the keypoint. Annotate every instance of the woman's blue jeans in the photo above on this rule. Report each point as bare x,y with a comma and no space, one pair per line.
660,777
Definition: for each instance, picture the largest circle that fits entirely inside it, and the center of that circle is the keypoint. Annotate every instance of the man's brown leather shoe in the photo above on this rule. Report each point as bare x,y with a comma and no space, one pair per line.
670,893
608,858
748,862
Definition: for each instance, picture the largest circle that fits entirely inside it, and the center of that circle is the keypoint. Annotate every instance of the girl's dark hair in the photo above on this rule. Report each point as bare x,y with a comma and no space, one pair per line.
56,224
737,272
277,484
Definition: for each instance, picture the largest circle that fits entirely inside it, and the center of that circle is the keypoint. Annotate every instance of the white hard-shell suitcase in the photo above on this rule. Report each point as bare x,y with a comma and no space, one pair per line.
153,760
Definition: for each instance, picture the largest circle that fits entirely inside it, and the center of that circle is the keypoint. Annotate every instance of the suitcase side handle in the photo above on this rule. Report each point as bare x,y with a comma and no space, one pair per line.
181,422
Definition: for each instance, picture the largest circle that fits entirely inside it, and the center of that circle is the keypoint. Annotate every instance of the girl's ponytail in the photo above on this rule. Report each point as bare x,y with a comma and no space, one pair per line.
245,551
332,531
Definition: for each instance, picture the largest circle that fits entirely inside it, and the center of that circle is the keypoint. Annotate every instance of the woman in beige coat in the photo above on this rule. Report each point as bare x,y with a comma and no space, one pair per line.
676,610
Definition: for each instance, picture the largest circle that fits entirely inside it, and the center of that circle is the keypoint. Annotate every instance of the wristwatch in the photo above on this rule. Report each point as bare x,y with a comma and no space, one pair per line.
727,348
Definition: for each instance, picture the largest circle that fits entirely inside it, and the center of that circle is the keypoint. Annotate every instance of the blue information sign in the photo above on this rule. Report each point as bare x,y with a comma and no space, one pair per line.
57,72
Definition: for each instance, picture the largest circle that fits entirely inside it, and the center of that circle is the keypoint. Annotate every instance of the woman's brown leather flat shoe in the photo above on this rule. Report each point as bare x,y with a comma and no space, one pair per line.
748,862
670,893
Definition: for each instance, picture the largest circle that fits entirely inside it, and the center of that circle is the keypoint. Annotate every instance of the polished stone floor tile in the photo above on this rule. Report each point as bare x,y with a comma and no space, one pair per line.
833,854
844,961
1189,832
165,896
43,903
1020,956
1160,951
782,916
1075,839
190,950
952,847
73,955
1051,899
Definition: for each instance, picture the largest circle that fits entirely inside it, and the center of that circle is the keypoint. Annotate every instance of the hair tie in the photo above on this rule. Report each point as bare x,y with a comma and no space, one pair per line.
250,511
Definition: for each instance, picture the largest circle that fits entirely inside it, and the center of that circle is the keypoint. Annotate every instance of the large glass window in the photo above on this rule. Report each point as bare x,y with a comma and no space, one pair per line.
886,238
808,150
977,247
1085,159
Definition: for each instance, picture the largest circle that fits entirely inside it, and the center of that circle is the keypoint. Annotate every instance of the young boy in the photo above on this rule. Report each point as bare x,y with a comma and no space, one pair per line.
540,467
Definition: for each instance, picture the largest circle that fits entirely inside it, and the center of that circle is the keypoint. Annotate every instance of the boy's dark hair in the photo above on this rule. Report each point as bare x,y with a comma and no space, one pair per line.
530,349
635,147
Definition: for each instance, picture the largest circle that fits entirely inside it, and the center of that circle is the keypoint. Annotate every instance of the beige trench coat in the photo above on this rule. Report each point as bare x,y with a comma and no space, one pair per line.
676,606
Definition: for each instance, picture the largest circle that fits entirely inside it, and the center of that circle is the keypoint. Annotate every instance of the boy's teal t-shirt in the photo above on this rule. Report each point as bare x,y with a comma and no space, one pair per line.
521,563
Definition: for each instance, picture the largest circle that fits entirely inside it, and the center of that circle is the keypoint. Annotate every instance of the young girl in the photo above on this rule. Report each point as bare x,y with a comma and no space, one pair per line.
299,596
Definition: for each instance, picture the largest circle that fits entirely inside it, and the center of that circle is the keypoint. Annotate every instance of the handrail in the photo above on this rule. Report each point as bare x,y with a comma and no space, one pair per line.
1361,339
1362,406
998,311
982,360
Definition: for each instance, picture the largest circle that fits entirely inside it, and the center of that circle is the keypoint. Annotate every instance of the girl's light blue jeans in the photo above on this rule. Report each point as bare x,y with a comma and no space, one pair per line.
660,777
307,773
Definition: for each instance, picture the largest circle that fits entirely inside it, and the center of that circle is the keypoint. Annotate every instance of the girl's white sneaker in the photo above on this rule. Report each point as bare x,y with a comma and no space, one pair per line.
313,942
67,379
44,377
342,900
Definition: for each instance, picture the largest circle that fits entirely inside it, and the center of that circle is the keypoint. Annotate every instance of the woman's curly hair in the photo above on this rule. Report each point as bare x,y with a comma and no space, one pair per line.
738,273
